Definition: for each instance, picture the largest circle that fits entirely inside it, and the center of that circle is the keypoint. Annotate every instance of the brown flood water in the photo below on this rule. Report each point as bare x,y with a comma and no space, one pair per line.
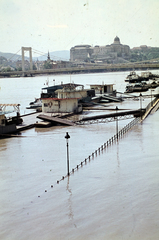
113,196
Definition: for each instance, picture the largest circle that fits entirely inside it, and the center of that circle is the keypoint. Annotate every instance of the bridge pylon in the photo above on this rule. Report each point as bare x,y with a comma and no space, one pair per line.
30,57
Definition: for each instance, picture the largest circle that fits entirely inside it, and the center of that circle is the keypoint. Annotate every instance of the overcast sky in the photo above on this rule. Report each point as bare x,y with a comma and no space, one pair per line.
61,24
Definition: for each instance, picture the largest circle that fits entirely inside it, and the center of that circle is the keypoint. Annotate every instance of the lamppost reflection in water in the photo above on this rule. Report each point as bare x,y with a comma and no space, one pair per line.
118,160
70,213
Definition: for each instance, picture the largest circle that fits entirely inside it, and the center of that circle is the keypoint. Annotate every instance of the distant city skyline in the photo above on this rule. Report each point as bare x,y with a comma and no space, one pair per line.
61,24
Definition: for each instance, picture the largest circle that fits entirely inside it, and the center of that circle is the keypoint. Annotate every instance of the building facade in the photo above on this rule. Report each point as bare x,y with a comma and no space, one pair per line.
81,52
103,89
100,53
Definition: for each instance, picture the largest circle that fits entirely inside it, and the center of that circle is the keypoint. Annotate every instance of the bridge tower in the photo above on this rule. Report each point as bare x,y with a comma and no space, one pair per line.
30,56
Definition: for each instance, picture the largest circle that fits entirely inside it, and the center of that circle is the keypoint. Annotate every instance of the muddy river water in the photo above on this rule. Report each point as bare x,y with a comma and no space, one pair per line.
113,196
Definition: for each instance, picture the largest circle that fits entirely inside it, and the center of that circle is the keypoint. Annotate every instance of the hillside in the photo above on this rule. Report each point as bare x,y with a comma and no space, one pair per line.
144,54
10,56
56,55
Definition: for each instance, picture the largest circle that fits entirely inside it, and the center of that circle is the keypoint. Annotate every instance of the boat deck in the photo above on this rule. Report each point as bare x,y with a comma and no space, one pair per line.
55,120
30,120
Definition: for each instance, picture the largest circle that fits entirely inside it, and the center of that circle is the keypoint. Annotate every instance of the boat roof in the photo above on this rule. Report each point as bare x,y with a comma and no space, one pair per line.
4,105
100,85
61,86
59,99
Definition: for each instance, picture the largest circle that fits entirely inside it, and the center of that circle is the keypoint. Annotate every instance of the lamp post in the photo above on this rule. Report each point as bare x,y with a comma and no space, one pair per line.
140,101
151,97
67,137
140,105
116,123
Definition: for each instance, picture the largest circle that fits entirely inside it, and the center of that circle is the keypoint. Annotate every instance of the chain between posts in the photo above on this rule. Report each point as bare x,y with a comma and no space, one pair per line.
110,141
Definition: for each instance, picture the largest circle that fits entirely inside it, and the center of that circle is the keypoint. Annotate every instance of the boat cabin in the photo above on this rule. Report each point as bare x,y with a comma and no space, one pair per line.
64,98
2,119
103,89
52,91
6,126
60,105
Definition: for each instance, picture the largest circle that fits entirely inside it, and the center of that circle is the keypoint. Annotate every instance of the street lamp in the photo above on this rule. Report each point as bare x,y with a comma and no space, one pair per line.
117,123
67,137
140,101
151,97
140,105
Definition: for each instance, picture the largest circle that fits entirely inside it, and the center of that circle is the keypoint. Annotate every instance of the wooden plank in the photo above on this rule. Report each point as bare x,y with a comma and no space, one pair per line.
5,105
55,120
43,124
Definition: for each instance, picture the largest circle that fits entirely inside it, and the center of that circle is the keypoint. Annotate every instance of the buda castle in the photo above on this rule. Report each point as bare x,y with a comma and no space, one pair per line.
115,52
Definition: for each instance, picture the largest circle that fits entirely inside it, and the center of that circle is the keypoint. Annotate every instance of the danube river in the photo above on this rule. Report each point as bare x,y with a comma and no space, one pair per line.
113,196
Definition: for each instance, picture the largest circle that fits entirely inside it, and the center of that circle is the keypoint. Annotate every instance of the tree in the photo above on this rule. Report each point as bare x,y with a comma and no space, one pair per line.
8,69
144,54
47,65
34,67
19,69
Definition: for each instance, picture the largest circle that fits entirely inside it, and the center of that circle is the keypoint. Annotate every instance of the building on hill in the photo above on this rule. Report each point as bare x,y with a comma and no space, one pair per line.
122,50
141,48
81,52
105,53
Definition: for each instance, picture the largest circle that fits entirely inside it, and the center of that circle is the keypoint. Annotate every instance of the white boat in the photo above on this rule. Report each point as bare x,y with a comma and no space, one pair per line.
36,104
137,87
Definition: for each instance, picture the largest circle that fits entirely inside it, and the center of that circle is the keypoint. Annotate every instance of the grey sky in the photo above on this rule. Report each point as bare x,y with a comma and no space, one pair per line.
60,24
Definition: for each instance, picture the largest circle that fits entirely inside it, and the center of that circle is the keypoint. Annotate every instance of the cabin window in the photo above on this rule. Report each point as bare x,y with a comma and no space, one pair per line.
3,121
105,89
45,104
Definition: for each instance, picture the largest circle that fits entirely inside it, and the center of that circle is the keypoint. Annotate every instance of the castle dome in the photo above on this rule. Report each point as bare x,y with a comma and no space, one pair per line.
116,40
